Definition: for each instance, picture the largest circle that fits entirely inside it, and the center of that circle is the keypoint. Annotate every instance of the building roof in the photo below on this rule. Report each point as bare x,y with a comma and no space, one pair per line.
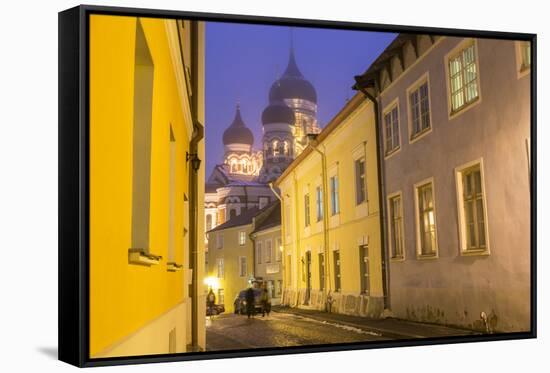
292,84
238,132
272,217
244,218
278,113
350,106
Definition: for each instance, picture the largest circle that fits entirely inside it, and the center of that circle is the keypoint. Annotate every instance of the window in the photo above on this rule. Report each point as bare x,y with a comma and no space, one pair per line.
242,266
319,199
220,266
275,148
419,104
278,249
263,201
268,251
473,226
219,240
232,213
463,78
221,296
426,233
321,257
391,130
360,182
242,238
141,139
259,252
337,282
396,227
364,269
286,147
208,222
334,203
307,218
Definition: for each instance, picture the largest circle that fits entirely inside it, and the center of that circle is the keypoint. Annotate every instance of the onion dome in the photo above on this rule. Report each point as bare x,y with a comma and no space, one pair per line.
238,132
292,84
277,113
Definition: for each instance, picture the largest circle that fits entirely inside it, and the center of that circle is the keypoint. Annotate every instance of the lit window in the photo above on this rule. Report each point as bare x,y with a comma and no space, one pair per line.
525,55
221,296
396,227
391,130
472,216
242,238
275,147
420,109
306,210
278,249
426,220
334,203
360,182
286,147
319,199
463,78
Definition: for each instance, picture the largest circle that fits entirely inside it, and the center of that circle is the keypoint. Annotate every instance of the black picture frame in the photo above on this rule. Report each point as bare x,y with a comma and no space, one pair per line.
74,189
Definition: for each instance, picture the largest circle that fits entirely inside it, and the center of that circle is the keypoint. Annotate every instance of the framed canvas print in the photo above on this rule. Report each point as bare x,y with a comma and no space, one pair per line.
233,186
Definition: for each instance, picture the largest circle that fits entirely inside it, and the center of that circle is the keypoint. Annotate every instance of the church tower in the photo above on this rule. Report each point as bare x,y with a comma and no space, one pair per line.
239,156
290,116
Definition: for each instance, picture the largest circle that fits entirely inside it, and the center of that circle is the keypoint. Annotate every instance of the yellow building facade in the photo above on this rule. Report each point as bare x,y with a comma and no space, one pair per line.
230,258
146,106
332,256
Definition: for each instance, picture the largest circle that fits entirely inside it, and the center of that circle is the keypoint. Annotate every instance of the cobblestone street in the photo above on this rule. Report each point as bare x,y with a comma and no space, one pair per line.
291,327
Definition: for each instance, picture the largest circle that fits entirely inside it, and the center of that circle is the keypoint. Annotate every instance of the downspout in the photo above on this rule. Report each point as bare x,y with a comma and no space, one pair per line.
327,284
198,135
385,269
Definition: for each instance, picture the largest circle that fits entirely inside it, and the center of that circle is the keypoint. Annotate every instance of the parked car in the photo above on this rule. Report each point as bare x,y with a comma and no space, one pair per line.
215,310
240,301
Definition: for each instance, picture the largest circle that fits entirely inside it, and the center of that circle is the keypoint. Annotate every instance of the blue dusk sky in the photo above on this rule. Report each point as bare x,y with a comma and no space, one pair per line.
243,61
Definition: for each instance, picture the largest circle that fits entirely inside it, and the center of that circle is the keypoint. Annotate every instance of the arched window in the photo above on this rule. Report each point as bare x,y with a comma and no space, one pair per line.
286,147
208,222
233,165
245,165
275,145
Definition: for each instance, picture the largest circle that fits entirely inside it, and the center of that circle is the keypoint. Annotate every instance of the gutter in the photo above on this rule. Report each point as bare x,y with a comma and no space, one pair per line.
385,269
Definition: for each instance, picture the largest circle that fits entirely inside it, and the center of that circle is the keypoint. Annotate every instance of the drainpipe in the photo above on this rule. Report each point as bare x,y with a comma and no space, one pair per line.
314,145
385,269
198,134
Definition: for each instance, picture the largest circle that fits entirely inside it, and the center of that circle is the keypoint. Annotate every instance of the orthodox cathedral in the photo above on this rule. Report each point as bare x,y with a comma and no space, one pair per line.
242,181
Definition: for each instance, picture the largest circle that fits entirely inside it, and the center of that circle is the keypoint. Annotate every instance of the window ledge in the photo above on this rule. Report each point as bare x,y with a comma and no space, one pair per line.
173,267
141,257
397,258
388,154
475,252
464,108
427,256
419,135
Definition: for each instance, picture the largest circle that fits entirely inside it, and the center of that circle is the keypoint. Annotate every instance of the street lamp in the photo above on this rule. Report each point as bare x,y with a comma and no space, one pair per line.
195,160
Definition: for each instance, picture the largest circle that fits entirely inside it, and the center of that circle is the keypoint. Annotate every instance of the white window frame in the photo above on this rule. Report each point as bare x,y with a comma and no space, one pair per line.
259,248
419,254
242,238
268,250
335,194
390,197
464,251
425,78
522,70
278,249
453,53
220,265
319,208
241,266
307,210
388,108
